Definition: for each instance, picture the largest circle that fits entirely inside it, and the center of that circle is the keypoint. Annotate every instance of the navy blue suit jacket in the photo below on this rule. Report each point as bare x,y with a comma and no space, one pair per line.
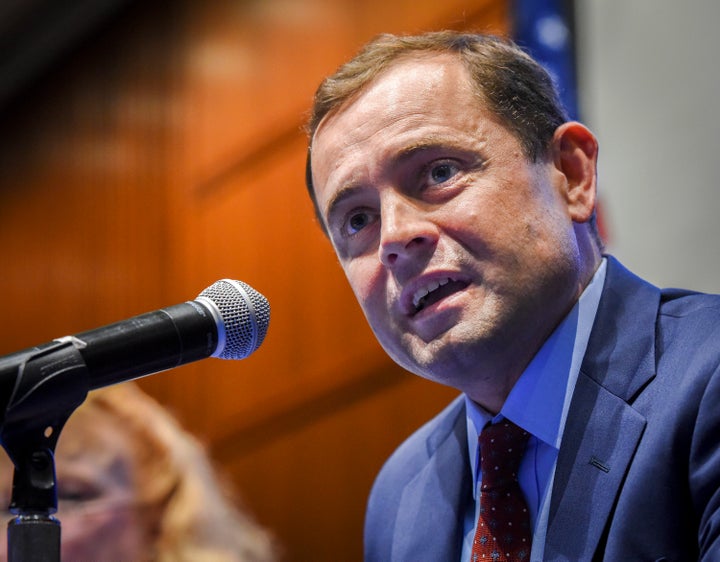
638,472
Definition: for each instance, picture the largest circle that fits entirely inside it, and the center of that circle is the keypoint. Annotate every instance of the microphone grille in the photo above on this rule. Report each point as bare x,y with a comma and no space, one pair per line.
245,314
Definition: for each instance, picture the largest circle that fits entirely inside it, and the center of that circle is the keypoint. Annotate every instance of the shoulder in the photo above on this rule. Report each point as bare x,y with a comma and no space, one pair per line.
688,375
417,449
682,303
673,317
439,440
688,322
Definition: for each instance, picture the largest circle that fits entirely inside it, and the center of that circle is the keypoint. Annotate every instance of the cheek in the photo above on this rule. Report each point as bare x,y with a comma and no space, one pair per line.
366,279
369,284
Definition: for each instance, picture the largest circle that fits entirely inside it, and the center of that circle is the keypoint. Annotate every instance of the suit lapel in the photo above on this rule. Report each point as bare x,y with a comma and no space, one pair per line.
430,521
590,472
603,430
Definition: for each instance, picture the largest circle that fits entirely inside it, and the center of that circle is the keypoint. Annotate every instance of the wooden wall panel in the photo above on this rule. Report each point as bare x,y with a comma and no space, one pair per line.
168,153
83,188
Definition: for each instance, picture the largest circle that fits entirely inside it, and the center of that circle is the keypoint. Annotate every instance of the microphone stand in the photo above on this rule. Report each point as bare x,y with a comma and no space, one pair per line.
39,391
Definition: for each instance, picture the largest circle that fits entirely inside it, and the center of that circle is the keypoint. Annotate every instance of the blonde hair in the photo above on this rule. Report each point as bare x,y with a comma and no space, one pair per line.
186,510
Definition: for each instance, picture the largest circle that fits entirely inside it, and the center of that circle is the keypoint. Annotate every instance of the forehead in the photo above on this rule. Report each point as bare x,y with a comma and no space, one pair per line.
419,100
416,85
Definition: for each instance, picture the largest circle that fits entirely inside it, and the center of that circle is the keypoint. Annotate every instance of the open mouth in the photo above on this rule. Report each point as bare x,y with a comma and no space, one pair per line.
436,291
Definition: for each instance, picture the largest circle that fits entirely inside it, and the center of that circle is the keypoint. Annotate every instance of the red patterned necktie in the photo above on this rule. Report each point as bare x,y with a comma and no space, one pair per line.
503,528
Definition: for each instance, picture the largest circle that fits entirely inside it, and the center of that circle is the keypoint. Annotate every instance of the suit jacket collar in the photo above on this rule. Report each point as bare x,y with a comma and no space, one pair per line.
603,430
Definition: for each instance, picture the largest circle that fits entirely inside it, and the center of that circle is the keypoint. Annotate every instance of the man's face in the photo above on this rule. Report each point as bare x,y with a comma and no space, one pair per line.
460,250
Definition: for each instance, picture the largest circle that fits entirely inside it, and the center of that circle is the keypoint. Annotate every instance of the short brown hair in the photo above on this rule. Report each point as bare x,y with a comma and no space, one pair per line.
516,88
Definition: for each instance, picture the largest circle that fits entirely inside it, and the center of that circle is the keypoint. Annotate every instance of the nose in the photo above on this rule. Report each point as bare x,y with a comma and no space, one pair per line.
407,232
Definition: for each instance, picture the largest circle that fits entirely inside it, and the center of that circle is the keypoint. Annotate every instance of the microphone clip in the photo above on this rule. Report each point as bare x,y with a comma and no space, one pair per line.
49,384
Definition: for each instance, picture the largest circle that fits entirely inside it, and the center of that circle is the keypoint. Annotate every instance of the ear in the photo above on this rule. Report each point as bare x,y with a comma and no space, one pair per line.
575,152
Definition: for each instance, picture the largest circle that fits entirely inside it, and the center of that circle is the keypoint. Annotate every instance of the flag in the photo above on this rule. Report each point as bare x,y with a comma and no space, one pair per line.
545,29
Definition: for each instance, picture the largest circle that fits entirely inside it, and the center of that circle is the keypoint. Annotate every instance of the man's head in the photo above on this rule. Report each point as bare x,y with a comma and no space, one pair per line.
458,200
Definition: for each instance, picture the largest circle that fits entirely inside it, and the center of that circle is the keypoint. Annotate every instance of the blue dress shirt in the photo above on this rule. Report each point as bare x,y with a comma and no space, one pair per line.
538,403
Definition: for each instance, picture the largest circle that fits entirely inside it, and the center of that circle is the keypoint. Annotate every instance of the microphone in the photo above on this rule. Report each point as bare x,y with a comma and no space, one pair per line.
228,320
40,387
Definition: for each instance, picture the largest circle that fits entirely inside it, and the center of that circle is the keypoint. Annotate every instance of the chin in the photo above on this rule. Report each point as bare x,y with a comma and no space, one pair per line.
424,361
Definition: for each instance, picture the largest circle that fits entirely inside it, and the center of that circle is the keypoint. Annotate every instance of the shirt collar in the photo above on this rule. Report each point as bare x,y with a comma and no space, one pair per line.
540,399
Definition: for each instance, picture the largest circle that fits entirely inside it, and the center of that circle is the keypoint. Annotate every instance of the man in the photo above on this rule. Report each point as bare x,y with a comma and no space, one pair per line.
460,202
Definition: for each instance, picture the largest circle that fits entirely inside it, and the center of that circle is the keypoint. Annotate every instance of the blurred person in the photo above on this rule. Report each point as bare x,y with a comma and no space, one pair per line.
460,201
134,486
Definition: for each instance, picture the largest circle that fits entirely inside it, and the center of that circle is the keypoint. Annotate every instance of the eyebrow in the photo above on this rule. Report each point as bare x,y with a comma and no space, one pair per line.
418,147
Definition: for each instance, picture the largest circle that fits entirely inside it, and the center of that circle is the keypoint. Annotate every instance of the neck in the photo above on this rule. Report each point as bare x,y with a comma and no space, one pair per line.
502,368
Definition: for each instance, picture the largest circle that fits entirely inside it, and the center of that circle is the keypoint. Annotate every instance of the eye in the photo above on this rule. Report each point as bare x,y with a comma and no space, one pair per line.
441,172
357,220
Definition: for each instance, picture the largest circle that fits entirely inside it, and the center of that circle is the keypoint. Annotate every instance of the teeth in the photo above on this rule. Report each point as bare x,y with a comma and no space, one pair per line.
421,293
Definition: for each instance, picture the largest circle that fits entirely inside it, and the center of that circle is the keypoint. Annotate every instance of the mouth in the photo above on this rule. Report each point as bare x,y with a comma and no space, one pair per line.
434,291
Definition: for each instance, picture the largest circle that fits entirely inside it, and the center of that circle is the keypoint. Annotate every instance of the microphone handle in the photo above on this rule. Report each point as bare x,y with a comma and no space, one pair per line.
129,349
148,343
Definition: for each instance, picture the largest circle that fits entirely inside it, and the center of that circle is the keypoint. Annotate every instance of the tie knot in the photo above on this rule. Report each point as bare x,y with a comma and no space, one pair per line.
501,449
